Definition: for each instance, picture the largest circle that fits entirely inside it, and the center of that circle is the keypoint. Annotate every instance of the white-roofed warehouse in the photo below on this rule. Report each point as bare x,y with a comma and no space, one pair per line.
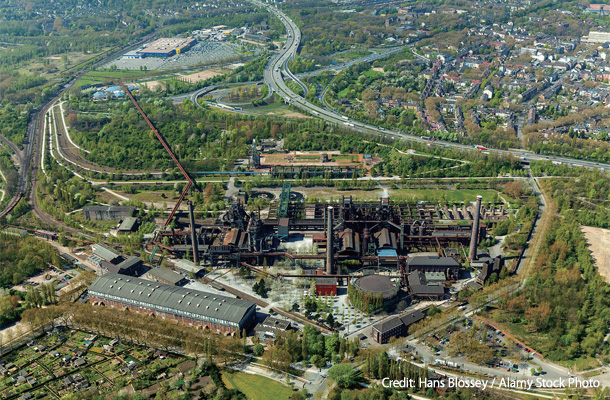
216,312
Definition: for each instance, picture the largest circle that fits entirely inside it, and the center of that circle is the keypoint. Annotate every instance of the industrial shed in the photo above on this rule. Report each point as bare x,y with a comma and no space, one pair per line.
218,313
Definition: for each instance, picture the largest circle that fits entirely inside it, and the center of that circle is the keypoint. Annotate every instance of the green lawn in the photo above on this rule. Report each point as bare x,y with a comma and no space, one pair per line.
342,93
372,74
295,87
442,194
351,55
94,77
120,74
256,387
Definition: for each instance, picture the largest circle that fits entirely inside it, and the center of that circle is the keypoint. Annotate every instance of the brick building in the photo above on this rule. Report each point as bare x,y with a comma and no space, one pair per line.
326,286
211,311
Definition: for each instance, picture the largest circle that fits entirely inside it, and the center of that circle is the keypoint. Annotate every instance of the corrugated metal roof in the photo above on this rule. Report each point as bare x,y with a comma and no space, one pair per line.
387,253
187,265
104,252
419,285
176,298
128,224
433,261
165,274
130,262
384,238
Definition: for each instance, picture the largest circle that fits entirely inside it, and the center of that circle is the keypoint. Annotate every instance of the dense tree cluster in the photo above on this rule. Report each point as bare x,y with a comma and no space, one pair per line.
23,257
564,309
582,193
311,347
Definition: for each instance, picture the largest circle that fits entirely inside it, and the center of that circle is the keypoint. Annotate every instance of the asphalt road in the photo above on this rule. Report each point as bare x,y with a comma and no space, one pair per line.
277,68
340,67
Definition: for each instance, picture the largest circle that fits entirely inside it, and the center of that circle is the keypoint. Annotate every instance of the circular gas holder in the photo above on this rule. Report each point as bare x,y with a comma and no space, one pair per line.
377,284
262,195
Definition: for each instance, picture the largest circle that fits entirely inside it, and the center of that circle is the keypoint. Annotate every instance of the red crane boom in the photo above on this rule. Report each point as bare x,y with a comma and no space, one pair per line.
169,151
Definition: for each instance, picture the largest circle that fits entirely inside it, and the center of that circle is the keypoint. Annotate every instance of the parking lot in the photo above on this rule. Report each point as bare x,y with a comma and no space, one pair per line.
203,53
509,356
61,279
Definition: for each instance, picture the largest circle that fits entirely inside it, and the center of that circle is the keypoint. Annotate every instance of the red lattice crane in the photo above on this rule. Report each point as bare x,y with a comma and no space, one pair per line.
190,181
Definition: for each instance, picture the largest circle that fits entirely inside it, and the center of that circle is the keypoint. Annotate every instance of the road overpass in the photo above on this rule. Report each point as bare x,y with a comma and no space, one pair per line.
277,68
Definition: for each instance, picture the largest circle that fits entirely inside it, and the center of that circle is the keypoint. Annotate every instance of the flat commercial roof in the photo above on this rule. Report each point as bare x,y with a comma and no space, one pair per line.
166,45
155,295
326,281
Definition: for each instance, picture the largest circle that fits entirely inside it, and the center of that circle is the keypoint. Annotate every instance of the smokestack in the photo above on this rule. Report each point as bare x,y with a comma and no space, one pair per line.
330,256
474,239
194,239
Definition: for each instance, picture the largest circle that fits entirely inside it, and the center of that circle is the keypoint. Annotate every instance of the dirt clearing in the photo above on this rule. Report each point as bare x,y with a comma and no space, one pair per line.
153,85
203,75
599,244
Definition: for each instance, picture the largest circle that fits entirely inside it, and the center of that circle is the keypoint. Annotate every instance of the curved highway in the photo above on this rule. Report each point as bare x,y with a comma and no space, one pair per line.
277,67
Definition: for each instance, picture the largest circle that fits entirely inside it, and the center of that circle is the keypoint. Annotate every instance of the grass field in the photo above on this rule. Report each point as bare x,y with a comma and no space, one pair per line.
343,93
351,55
441,194
433,195
295,87
372,74
256,387
94,77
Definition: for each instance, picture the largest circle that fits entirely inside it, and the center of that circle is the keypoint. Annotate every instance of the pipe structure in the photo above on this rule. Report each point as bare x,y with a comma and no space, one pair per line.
474,238
330,256
194,238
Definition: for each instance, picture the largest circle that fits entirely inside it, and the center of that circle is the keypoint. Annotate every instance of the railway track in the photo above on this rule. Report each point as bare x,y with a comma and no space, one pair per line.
73,155
33,145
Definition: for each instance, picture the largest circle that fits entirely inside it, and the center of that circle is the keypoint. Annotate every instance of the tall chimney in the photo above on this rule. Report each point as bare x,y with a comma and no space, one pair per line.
330,256
194,239
474,238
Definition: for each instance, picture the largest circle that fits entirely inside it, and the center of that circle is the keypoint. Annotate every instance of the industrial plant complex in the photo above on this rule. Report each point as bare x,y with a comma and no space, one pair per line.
211,200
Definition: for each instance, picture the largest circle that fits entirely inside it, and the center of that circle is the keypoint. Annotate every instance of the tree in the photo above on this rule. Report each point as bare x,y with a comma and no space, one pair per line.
330,320
304,350
277,358
259,349
383,365
260,288
33,297
345,375
318,361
